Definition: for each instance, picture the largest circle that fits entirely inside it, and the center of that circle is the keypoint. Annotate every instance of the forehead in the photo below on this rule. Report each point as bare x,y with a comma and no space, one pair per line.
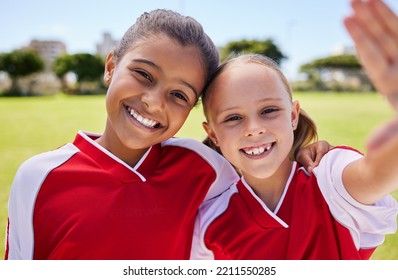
158,45
246,78
170,57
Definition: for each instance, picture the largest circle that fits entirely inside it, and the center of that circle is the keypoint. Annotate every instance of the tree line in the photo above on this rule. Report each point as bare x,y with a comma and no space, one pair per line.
88,68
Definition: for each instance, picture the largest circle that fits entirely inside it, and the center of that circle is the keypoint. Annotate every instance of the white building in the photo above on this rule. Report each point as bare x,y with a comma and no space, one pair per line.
107,44
48,51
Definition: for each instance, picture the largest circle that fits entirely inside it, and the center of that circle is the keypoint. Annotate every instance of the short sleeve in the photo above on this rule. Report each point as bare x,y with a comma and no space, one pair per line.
367,223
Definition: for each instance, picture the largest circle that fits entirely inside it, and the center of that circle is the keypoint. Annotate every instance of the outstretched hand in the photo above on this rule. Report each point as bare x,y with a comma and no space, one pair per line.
374,28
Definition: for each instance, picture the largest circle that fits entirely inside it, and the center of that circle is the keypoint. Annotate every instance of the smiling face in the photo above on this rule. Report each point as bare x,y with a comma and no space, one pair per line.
250,114
151,92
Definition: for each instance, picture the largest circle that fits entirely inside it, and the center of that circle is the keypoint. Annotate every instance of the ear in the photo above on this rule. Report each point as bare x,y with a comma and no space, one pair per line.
109,68
210,132
295,114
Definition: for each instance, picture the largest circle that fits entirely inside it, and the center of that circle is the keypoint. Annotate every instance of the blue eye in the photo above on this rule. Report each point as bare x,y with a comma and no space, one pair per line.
269,110
233,118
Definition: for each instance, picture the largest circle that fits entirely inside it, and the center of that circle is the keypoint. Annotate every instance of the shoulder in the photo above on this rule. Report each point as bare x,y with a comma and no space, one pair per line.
341,154
192,146
333,162
215,207
49,158
35,168
189,144
204,161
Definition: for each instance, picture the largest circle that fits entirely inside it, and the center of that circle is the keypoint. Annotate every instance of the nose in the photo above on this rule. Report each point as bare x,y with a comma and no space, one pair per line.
154,99
254,127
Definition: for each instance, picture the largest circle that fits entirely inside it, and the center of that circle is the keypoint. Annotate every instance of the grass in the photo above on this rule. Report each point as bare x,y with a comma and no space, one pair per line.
33,125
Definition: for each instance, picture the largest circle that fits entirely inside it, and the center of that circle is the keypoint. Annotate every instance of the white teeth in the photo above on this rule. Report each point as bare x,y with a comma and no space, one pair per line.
144,121
258,150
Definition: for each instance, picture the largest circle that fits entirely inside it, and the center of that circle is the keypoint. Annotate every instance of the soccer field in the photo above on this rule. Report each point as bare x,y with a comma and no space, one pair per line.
33,125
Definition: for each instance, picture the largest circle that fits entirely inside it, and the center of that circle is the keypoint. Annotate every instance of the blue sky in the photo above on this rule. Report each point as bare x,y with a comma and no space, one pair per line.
303,29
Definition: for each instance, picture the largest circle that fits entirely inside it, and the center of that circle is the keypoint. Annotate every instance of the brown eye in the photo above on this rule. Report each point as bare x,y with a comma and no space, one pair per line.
144,74
181,96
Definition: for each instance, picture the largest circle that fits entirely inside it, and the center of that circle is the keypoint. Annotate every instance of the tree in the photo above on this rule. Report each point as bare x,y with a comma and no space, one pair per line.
333,62
20,63
266,47
86,67
346,66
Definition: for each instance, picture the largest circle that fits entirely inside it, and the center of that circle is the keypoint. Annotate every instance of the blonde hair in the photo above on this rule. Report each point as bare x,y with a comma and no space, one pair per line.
306,131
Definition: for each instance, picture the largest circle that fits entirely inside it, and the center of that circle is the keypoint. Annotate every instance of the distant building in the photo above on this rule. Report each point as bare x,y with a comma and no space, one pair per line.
341,49
353,79
48,51
107,44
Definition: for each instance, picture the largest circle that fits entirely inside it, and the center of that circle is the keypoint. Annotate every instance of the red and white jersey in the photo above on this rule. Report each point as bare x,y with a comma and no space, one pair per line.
316,218
82,202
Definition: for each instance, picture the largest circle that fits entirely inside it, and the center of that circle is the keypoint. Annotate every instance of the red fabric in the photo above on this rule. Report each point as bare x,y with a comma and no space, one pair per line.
247,231
93,207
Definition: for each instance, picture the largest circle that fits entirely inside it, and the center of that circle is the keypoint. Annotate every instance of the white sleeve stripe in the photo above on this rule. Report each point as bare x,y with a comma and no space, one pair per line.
208,212
28,180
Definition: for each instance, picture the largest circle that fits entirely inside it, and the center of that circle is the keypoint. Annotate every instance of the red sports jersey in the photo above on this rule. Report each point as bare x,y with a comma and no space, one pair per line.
316,218
82,202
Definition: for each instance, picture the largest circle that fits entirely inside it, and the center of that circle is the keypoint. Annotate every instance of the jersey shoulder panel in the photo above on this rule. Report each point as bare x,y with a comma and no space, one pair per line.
208,212
226,175
26,185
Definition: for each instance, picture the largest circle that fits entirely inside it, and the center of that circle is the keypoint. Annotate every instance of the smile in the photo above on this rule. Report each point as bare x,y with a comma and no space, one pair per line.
142,120
256,151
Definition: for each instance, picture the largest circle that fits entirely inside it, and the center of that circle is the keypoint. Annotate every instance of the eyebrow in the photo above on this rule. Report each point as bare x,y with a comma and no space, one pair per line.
145,61
267,99
150,63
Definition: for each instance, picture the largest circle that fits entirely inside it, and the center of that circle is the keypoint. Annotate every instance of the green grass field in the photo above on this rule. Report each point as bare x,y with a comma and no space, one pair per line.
29,126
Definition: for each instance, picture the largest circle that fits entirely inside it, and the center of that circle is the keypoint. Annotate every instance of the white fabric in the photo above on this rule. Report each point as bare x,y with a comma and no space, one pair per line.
367,223
26,185
208,212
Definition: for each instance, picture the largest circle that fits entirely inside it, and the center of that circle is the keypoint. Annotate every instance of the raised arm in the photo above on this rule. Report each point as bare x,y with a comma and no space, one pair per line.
373,27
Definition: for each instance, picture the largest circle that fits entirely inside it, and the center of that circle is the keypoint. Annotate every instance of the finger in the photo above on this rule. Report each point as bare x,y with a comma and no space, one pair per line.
377,26
306,156
389,24
317,160
375,63
368,50
322,148
390,18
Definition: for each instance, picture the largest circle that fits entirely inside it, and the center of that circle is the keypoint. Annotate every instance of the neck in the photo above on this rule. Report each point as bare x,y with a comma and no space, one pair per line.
270,189
112,143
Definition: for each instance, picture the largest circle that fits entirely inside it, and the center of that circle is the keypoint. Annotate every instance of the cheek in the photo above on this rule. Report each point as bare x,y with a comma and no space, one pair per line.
288,136
228,141
177,116
226,135
110,100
